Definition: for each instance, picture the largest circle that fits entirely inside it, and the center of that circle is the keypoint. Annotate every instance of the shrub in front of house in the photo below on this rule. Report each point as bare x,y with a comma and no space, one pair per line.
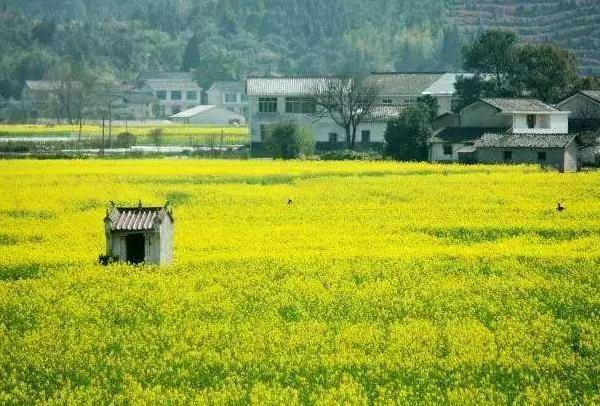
126,140
350,155
290,141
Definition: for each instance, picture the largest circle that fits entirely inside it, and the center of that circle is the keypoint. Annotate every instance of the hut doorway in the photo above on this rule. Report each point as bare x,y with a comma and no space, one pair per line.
136,248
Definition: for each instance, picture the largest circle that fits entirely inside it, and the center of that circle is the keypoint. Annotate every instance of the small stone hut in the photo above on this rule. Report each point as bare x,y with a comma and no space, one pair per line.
139,235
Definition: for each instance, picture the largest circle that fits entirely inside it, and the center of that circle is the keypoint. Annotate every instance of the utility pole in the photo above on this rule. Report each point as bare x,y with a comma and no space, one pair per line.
110,123
102,149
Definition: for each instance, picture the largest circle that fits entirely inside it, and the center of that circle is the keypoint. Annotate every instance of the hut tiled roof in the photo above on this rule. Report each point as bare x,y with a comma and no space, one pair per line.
495,140
136,218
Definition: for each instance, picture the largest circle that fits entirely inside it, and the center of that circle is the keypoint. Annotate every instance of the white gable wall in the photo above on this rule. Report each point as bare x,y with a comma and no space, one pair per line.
547,123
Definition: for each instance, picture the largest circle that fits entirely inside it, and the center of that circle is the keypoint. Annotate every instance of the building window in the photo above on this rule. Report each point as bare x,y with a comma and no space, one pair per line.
333,138
192,95
176,95
161,95
531,120
507,156
366,136
541,156
387,102
175,110
230,97
267,105
448,150
299,105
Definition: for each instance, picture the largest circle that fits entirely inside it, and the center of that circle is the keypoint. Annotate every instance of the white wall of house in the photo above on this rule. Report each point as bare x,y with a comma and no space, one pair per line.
436,152
166,243
581,107
234,101
214,116
171,104
557,158
322,128
571,158
545,123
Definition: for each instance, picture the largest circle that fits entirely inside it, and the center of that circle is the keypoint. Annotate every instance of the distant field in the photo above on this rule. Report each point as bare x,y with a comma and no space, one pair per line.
180,132
382,283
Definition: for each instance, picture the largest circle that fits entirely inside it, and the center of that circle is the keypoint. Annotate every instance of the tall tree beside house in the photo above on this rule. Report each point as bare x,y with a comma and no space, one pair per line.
494,53
347,100
547,71
503,67
406,136
471,89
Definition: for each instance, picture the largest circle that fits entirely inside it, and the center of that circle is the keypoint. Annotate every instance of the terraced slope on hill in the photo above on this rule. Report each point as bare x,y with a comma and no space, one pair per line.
574,24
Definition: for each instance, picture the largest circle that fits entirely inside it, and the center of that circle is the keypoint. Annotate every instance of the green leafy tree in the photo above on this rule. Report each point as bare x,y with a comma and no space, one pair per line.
431,105
548,72
290,141
494,52
470,89
406,136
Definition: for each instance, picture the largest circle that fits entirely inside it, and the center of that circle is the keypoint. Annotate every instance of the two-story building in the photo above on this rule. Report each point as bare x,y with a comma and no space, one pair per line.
174,91
280,99
230,95
509,130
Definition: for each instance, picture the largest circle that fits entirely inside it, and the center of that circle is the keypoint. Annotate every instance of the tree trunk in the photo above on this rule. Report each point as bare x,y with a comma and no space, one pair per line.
353,144
348,137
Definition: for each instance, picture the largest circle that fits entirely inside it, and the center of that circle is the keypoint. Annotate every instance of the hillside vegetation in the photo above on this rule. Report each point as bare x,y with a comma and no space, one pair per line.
381,283
229,39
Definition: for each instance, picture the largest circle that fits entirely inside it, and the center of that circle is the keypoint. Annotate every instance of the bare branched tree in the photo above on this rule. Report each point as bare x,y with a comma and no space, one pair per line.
348,100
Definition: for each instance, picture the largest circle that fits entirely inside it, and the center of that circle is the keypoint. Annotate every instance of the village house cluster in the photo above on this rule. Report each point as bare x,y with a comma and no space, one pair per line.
175,96
509,130
489,130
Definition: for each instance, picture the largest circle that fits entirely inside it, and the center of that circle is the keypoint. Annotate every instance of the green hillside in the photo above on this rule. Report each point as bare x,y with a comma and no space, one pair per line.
228,39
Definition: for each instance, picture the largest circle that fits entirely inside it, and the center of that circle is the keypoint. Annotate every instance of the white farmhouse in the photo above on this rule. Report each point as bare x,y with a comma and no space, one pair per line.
208,115
509,130
230,95
175,91
279,99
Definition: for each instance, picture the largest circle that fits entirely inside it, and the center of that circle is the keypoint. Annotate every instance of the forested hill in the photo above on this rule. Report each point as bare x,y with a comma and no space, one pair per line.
228,39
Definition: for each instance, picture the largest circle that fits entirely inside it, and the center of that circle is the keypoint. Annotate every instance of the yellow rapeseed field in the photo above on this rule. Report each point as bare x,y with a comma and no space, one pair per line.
179,131
382,283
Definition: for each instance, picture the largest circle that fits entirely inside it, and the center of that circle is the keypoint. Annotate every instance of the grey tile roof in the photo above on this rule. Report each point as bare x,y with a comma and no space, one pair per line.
592,94
288,86
511,105
392,84
497,140
228,86
172,84
462,134
136,218
445,84
385,113
404,84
